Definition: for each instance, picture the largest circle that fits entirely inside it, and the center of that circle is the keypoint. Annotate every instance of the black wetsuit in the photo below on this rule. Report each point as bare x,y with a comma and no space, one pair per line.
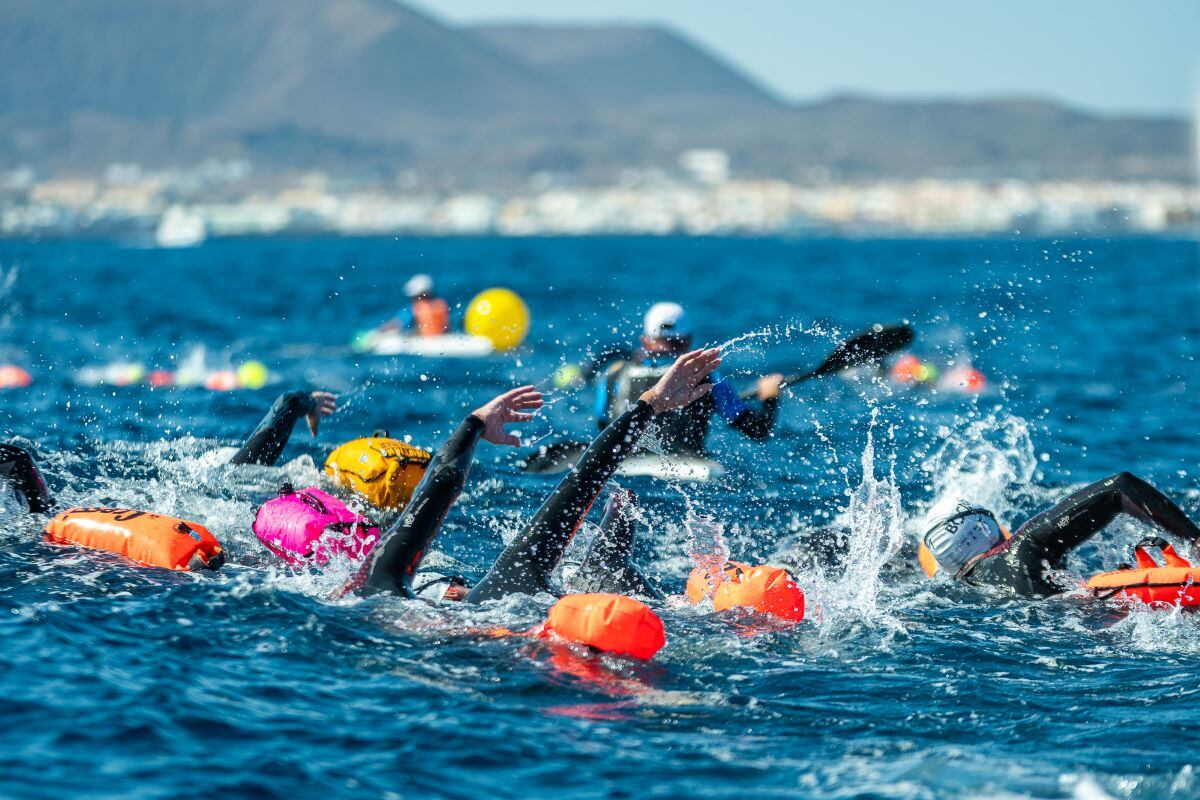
1024,562
18,469
270,437
683,430
607,566
525,566
262,447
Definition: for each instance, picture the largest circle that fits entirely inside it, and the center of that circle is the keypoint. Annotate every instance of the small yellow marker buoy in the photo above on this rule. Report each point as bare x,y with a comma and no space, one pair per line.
252,375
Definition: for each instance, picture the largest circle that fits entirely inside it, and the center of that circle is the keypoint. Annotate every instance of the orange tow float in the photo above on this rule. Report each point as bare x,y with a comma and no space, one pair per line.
612,623
149,539
1177,583
765,589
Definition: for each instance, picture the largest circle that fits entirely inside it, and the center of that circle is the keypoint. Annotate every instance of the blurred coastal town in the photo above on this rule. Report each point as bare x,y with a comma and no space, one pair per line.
701,195
209,119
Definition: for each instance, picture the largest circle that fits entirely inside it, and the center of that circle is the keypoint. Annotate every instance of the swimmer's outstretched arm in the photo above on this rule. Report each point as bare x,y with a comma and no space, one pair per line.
18,470
608,565
1084,513
525,565
392,563
270,437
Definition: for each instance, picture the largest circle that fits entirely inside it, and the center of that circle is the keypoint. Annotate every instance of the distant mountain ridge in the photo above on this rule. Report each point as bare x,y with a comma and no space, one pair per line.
375,87
611,67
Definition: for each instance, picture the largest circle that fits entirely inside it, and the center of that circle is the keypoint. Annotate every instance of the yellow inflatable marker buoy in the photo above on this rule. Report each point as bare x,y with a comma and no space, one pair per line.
499,315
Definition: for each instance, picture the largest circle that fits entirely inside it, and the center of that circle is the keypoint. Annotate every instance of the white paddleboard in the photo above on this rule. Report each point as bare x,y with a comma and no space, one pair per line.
452,345
677,468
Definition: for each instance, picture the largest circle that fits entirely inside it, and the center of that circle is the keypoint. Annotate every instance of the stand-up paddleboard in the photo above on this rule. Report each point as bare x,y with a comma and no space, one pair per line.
452,345
674,468
562,456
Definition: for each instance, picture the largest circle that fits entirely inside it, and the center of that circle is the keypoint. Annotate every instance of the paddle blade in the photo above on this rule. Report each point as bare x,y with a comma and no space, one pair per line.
867,347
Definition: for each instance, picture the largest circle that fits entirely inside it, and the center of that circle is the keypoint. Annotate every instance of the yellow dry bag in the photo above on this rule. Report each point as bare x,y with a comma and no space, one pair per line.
384,471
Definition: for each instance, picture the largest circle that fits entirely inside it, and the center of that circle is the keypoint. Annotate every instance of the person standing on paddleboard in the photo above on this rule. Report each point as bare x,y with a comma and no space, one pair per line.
666,333
965,541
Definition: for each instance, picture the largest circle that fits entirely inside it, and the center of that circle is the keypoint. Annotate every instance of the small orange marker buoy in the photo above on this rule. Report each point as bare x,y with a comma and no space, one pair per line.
223,380
161,378
964,379
906,369
14,377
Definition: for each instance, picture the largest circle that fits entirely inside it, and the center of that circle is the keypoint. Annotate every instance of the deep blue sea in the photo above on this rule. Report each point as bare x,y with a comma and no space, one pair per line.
118,681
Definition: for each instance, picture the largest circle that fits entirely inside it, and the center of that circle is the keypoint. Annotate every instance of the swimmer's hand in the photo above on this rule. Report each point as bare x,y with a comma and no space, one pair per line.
685,382
515,405
324,404
769,386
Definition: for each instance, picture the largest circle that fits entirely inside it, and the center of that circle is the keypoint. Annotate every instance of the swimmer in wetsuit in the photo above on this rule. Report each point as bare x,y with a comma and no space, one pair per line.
18,469
967,543
666,334
267,441
608,567
526,565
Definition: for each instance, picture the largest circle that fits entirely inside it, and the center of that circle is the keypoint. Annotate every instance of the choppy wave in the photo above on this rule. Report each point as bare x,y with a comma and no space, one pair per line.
254,682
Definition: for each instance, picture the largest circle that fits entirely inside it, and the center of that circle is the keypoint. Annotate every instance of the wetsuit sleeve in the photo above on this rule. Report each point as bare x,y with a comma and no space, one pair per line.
270,437
756,424
19,470
608,565
526,564
1054,533
393,562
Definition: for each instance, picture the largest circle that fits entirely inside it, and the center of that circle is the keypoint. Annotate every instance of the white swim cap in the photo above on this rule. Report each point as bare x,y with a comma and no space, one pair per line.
956,532
667,321
418,285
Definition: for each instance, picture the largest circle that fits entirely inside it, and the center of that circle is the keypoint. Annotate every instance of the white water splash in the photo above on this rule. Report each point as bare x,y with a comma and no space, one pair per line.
872,522
980,463
871,526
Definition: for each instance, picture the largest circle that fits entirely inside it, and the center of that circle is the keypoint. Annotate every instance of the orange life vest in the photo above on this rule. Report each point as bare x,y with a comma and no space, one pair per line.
431,316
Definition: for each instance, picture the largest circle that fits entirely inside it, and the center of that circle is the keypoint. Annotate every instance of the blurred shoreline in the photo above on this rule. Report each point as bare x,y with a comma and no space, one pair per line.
217,200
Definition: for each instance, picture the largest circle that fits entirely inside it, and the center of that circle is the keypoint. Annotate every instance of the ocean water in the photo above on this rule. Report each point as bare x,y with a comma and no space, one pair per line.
119,681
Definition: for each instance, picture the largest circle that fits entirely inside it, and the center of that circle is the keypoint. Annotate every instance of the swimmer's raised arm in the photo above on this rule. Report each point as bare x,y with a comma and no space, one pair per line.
526,564
394,561
267,441
1083,513
18,469
515,405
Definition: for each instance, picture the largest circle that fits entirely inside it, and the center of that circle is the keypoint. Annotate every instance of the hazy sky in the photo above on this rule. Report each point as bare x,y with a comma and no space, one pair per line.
1110,55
